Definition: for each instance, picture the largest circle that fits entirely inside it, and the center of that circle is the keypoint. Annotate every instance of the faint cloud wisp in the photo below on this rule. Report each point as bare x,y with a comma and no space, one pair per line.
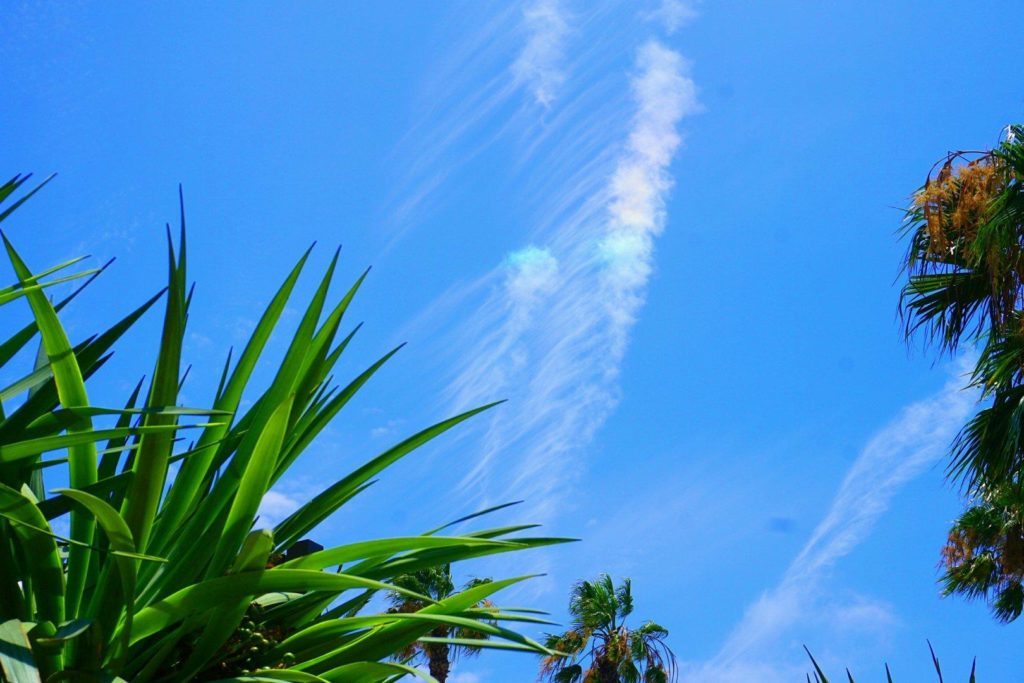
673,14
275,507
539,65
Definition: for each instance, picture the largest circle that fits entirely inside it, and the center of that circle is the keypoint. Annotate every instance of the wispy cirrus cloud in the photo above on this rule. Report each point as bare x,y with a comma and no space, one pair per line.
467,677
673,14
540,65
554,330
914,441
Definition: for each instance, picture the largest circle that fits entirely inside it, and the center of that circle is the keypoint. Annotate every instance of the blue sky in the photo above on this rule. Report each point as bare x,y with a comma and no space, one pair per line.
665,232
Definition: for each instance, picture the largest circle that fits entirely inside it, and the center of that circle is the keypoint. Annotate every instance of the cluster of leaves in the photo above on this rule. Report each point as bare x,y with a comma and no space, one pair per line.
162,574
965,285
600,647
818,675
984,554
959,284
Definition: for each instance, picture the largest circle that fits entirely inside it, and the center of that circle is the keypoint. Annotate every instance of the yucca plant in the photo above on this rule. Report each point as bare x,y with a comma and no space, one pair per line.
818,676
164,575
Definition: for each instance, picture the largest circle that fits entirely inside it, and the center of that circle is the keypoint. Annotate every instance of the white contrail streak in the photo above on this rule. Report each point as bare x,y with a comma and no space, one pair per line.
553,333
895,455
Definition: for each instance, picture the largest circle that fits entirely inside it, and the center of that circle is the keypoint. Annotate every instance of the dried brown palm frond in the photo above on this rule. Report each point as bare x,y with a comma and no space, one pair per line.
965,261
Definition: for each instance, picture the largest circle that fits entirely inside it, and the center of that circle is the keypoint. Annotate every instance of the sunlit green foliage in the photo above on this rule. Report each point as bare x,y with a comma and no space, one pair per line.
163,573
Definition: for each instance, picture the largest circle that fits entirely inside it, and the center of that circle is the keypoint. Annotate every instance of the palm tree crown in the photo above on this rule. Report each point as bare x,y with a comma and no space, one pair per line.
966,285
600,647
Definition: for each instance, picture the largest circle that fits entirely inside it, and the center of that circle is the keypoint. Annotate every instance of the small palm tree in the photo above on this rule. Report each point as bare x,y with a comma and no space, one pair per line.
600,647
435,650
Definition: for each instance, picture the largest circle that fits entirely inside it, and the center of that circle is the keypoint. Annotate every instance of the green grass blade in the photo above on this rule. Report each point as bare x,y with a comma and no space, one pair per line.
253,486
379,568
316,365
199,597
187,484
371,672
150,465
382,641
60,505
13,184
327,633
387,547
90,356
323,505
120,540
8,211
17,341
10,294
26,449
818,672
70,386
43,560
329,411
111,456
473,515
275,676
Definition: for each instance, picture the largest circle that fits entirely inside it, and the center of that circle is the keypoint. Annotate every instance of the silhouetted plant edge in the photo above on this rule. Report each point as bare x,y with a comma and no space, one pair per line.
820,677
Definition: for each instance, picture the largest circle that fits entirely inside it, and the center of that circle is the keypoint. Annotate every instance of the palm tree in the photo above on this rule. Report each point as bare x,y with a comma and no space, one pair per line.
600,647
435,650
966,286
984,555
